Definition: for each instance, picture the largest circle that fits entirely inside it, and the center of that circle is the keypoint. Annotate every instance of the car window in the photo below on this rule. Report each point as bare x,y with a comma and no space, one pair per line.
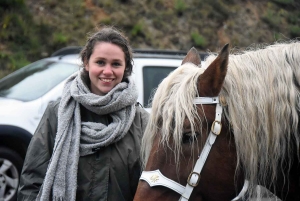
153,75
36,79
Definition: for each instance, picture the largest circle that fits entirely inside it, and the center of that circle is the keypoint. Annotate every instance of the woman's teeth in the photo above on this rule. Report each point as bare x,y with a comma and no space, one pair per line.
107,80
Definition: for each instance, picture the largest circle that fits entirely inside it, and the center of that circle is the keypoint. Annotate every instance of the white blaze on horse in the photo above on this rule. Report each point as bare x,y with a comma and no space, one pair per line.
211,129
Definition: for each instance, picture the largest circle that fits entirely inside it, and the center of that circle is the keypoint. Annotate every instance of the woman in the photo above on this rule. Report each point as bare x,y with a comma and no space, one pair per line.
86,146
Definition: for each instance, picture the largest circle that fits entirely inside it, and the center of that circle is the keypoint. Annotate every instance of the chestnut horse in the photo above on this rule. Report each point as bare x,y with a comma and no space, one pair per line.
213,127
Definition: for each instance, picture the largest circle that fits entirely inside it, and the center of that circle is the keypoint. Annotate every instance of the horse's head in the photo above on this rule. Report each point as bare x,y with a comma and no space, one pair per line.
178,129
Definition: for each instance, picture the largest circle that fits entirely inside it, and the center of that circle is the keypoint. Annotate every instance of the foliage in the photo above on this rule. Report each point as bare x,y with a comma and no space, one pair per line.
272,18
137,29
180,6
220,10
11,62
60,38
295,31
9,4
284,2
198,39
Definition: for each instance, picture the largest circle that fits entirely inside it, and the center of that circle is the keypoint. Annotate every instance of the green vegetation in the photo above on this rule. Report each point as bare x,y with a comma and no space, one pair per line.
59,40
33,29
137,29
295,31
272,18
285,2
180,6
198,39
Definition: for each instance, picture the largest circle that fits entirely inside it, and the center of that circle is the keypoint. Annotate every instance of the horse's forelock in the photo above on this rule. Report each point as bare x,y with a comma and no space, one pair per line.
172,103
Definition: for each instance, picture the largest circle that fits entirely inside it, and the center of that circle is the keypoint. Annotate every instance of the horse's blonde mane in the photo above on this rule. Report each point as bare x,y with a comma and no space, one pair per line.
262,95
261,89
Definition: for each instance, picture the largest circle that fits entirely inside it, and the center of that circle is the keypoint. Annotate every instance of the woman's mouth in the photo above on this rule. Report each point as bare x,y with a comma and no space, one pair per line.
106,79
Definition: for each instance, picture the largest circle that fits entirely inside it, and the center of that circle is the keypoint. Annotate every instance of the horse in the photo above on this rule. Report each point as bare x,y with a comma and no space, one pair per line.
220,128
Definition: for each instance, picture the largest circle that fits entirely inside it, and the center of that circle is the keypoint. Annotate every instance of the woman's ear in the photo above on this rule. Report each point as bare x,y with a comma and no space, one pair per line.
86,67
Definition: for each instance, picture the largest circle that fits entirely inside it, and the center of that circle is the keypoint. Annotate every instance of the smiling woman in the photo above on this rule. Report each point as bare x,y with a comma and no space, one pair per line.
106,67
87,145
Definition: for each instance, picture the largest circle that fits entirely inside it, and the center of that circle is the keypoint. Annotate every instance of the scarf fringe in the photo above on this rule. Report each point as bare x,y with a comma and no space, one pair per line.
58,198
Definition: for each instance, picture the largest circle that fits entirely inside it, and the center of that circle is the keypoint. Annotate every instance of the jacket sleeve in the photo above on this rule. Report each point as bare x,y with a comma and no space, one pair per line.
38,155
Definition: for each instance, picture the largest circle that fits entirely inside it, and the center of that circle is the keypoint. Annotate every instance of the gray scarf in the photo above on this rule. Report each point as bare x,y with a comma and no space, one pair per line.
75,138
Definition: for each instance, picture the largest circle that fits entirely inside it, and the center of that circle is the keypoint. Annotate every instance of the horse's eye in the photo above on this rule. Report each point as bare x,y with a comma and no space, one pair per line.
189,137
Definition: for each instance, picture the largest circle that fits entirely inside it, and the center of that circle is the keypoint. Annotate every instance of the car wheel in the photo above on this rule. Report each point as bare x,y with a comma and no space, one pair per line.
10,170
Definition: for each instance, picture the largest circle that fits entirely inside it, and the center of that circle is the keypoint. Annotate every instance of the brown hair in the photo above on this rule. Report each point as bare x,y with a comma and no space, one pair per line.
111,35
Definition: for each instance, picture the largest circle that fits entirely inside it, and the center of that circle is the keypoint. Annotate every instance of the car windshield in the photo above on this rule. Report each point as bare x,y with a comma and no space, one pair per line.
153,75
35,80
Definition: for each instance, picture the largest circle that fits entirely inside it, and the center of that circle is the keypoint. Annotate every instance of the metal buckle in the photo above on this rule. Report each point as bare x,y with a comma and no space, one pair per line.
188,181
213,126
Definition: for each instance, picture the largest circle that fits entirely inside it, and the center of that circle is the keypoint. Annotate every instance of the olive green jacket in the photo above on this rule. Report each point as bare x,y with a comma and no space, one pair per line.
111,173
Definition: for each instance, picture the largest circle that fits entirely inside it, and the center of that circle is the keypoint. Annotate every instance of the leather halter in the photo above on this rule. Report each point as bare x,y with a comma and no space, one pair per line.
156,178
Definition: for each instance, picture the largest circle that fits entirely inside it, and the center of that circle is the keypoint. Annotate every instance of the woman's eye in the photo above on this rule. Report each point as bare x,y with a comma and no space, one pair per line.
116,64
189,137
100,62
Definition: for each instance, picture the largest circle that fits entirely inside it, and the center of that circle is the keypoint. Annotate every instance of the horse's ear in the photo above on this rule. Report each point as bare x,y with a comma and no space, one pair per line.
212,79
192,57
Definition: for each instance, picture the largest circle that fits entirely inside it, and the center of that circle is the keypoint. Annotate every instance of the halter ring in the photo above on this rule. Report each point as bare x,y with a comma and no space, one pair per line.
216,127
193,184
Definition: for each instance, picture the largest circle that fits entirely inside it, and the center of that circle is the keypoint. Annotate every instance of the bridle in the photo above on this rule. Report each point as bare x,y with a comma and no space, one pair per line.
156,178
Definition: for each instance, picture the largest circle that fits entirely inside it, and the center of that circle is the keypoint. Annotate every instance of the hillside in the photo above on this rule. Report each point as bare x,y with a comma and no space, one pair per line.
33,29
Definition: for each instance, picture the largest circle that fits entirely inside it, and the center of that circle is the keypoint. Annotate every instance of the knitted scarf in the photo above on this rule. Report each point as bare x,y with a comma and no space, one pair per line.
75,138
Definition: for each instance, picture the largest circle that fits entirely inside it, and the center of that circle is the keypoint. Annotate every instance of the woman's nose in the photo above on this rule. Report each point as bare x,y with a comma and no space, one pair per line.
107,69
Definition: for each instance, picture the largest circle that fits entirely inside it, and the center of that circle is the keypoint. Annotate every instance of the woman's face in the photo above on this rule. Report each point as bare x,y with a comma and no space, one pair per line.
106,67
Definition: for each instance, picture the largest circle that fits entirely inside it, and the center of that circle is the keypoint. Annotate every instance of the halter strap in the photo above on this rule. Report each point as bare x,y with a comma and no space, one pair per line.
156,178
194,177
206,100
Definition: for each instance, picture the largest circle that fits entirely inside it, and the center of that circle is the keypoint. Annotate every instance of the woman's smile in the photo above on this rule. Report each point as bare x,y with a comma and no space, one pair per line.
106,80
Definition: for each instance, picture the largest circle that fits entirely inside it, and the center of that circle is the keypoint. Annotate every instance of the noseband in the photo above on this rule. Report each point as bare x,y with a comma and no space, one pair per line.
156,178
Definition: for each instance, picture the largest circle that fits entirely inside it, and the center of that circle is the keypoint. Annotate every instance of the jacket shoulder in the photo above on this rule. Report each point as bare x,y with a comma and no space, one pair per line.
140,110
141,117
53,106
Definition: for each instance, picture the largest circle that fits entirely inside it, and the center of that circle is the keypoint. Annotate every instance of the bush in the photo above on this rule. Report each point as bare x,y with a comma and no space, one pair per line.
137,29
198,39
9,4
180,7
284,2
295,31
272,18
